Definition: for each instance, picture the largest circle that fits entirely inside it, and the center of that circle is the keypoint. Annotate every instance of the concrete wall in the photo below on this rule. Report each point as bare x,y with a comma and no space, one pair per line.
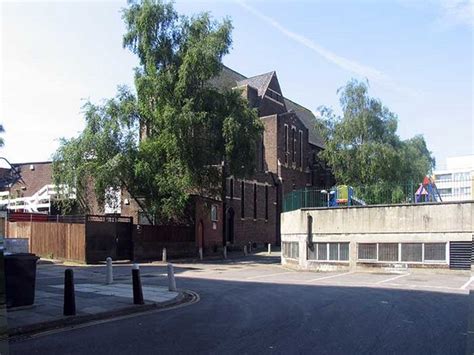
422,223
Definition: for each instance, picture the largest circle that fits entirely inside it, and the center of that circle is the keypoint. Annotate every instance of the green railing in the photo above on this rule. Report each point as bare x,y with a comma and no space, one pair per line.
383,193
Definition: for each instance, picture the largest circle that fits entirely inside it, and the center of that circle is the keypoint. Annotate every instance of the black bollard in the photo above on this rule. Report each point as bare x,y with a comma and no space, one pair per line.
137,286
69,295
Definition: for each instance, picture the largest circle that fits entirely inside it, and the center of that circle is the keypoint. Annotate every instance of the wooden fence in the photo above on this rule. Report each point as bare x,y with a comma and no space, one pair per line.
64,241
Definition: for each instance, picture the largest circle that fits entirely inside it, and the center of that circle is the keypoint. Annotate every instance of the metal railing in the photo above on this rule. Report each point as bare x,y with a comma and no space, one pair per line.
383,193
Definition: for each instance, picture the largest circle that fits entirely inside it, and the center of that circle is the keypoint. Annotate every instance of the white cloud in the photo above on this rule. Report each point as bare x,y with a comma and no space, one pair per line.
372,74
457,12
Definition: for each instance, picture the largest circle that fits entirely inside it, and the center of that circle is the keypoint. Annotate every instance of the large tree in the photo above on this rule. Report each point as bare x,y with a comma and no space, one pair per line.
169,138
364,150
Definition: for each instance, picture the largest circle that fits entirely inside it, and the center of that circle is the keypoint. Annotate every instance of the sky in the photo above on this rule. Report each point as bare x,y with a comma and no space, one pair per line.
416,55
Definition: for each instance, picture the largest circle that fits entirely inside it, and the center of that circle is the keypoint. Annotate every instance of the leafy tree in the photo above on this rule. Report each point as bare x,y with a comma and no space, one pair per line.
170,138
2,142
364,150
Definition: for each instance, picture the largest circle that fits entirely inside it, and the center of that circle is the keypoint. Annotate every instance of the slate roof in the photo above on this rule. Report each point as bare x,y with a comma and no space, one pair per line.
229,79
259,82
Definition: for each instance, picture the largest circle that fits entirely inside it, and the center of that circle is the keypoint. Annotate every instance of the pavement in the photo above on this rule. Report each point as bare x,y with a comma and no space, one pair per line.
254,306
94,299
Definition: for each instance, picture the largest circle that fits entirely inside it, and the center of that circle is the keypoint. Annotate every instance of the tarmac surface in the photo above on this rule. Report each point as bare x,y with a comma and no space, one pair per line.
254,306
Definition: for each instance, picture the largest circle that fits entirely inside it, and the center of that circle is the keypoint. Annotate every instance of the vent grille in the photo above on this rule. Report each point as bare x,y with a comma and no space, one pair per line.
460,255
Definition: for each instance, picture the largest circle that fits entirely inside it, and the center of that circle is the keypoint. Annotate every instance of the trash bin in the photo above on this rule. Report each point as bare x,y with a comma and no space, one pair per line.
20,279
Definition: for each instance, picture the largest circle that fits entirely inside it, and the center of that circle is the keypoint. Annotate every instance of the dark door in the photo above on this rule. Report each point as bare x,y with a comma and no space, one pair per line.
230,225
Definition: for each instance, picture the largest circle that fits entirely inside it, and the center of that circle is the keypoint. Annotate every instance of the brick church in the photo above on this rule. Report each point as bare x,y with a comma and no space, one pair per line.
287,160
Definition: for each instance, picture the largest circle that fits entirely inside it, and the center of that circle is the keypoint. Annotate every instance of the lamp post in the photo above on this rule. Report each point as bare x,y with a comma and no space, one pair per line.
328,194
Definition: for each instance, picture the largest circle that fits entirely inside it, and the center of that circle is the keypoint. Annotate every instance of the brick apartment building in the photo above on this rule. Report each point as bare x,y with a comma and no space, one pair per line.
287,160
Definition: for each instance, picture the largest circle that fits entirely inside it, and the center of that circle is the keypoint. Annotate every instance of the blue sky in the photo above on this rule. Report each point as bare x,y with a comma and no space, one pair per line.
417,56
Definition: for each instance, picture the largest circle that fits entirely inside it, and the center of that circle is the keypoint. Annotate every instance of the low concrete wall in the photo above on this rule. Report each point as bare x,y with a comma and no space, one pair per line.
420,223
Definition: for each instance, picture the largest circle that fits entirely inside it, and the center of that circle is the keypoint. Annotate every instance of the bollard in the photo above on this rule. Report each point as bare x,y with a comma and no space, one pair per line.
250,247
171,280
200,253
137,285
225,252
163,257
110,273
245,250
269,249
69,308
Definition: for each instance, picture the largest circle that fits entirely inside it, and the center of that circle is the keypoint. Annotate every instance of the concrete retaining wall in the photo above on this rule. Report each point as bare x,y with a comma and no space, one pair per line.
421,223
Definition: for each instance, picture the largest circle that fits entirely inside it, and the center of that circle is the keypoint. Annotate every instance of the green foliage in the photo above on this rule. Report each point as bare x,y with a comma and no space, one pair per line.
170,138
364,150
2,142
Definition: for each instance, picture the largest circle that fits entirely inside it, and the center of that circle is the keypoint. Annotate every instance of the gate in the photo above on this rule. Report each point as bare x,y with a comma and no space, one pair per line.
108,236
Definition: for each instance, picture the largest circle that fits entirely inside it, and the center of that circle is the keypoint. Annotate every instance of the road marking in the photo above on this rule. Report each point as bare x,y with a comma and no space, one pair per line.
268,275
330,277
391,279
463,287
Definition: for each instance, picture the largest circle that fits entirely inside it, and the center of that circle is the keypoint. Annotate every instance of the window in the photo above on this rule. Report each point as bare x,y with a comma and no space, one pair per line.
242,199
329,252
367,251
445,192
214,213
412,252
301,148
255,201
435,251
231,188
388,252
290,250
443,177
293,140
322,251
285,144
333,251
462,176
266,201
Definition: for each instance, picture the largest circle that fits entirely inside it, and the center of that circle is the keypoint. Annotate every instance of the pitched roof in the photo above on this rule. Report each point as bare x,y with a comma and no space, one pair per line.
229,79
259,82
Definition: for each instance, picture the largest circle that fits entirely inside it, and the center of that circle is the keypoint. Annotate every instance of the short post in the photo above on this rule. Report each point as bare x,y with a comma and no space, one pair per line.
245,250
200,254
137,285
171,279
250,247
269,249
69,308
163,256
225,251
110,273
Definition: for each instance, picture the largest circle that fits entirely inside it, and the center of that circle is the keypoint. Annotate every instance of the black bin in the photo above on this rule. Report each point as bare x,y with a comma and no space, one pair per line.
20,279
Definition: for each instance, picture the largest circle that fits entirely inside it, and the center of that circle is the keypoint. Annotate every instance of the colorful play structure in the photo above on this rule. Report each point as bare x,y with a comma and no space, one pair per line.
343,195
427,191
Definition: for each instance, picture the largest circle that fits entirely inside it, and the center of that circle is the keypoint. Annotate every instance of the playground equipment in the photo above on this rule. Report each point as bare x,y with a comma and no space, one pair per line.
343,195
427,191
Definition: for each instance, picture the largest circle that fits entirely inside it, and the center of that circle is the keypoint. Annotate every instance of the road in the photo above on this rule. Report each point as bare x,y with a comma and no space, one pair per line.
250,307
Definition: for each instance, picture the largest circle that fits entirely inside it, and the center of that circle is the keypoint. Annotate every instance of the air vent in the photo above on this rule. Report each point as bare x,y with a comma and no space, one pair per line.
32,167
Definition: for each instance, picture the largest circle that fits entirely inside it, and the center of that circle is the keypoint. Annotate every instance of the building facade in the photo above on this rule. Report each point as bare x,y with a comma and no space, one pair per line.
456,181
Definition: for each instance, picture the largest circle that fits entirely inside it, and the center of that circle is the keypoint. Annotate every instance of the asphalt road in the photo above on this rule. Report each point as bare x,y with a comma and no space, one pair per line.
239,316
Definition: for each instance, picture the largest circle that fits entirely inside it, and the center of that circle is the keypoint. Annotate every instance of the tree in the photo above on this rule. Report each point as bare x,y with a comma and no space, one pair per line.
364,150
169,138
2,130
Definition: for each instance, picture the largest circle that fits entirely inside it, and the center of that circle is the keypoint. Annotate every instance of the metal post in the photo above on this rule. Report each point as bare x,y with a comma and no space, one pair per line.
200,254
245,250
110,273
250,247
163,257
225,252
69,307
137,285
171,279
269,249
